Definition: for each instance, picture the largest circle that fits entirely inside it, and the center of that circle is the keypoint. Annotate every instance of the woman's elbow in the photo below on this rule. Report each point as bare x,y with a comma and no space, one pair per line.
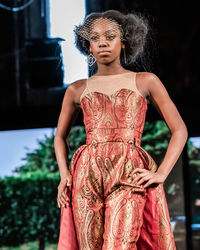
183,132
186,134
57,139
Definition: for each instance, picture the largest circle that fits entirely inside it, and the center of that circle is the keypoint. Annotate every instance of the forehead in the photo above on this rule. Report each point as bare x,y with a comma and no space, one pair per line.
104,25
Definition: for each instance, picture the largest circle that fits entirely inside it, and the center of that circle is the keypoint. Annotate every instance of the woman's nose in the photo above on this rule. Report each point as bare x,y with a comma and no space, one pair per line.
102,42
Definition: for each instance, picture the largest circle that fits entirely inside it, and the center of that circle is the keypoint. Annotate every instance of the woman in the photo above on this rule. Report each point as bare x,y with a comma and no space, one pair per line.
117,195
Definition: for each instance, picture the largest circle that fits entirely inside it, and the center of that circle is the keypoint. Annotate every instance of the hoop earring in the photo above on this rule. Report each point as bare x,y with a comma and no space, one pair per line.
124,56
91,59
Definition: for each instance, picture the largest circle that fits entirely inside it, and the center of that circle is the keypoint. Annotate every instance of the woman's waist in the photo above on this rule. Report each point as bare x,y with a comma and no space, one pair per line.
128,135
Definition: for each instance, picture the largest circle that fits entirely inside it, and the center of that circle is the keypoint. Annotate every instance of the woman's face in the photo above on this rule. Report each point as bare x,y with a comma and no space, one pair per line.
105,41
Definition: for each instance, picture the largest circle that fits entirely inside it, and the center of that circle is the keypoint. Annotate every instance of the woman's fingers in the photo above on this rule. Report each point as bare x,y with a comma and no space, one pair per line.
63,197
146,177
62,201
139,175
136,179
139,170
63,192
143,179
149,182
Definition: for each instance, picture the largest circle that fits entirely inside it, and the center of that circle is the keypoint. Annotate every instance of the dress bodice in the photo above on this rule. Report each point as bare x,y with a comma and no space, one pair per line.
113,108
109,209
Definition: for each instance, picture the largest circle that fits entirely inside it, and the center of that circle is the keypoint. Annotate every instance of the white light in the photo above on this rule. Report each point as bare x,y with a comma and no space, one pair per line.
195,141
64,15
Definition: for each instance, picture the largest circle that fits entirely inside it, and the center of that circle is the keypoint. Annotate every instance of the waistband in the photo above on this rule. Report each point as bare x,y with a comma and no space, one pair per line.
95,142
102,135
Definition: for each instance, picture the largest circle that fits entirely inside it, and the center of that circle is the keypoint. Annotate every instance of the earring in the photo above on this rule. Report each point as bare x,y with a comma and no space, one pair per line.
124,55
91,59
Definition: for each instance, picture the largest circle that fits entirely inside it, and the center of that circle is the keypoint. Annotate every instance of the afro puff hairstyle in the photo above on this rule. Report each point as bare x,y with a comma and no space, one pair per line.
135,29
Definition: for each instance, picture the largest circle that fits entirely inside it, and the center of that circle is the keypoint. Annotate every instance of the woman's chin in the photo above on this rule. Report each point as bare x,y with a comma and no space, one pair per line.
106,61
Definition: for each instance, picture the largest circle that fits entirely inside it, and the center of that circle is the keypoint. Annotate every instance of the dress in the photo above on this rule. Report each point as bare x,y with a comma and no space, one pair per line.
109,211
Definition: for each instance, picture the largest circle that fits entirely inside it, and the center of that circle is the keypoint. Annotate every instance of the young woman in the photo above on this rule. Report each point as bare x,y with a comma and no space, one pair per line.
116,188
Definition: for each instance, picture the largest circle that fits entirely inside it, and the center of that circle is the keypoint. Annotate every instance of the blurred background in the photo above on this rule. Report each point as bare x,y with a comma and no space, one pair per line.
38,61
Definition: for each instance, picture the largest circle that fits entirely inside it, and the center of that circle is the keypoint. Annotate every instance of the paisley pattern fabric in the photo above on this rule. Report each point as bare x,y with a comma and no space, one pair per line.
109,211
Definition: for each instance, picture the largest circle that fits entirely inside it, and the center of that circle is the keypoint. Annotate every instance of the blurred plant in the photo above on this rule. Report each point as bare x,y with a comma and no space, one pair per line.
43,158
77,137
29,209
155,139
29,204
194,175
193,154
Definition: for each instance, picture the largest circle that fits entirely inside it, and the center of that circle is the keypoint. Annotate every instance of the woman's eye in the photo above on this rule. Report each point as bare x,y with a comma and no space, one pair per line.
110,37
94,38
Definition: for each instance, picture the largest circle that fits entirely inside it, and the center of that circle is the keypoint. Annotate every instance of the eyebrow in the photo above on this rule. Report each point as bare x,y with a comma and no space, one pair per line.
107,31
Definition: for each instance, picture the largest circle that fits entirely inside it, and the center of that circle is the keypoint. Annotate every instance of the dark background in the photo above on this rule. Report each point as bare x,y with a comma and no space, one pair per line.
31,77
31,92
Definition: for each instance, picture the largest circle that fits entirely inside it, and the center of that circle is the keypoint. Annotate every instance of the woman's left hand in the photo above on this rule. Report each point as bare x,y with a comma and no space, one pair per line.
141,175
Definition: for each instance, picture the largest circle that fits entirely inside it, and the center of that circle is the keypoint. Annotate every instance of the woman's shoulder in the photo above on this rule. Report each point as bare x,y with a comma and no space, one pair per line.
76,85
148,82
148,79
147,76
76,88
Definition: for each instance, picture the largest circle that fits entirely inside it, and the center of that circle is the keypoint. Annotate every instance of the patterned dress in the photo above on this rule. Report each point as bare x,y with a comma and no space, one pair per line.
109,211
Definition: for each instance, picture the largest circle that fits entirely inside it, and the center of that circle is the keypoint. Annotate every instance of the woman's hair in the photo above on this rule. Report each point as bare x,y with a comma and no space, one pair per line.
135,29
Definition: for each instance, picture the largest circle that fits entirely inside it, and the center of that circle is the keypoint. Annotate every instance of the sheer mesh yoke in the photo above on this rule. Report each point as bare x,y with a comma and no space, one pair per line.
109,84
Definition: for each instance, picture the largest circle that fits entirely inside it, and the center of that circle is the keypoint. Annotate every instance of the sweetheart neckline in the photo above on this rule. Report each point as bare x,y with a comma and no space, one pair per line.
114,93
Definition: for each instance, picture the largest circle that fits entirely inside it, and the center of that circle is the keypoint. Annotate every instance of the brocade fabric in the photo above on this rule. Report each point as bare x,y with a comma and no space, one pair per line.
109,212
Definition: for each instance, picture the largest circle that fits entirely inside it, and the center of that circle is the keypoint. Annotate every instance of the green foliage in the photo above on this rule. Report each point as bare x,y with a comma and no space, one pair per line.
77,137
43,158
29,202
193,155
156,138
33,245
194,163
29,208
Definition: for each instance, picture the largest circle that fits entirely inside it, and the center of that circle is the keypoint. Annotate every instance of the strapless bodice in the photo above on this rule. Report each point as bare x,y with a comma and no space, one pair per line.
118,116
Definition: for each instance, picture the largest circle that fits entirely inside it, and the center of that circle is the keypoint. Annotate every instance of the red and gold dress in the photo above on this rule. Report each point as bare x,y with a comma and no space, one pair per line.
110,212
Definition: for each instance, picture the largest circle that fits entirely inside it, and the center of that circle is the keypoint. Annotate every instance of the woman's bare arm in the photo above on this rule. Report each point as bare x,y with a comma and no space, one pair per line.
69,111
159,97
67,117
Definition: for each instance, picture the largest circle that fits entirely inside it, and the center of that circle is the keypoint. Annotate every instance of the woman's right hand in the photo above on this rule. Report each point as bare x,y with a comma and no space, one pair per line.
63,194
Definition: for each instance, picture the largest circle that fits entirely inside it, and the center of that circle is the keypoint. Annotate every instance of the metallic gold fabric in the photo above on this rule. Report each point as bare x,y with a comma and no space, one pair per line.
109,211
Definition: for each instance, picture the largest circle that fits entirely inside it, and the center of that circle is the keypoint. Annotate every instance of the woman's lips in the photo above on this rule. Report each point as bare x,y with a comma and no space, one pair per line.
104,53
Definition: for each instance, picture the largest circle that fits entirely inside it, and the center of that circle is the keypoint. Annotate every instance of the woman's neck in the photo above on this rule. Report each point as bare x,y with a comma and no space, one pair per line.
110,69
